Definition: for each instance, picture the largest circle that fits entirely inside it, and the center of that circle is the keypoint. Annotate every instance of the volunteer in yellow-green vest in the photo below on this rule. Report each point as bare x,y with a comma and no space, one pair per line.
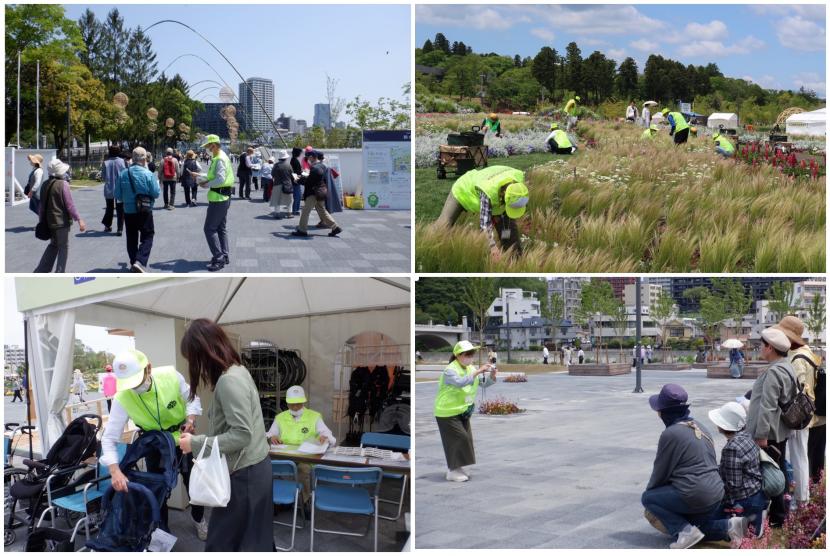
219,181
723,146
650,132
155,400
298,425
491,124
570,112
679,126
498,195
454,405
558,141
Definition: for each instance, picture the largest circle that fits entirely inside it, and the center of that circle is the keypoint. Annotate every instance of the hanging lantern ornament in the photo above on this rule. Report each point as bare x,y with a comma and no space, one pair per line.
231,110
182,127
170,133
121,100
183,136
152,113
152,126
169,122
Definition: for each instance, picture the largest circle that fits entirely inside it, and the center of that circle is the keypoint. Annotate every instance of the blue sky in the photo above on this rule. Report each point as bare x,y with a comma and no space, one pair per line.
776,46
366,47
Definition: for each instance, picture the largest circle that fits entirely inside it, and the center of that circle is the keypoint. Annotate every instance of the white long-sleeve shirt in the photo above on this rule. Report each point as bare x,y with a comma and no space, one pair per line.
321,429
119,417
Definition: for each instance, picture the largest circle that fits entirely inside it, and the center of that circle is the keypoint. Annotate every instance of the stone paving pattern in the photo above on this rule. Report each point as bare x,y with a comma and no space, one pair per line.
371,242
567,473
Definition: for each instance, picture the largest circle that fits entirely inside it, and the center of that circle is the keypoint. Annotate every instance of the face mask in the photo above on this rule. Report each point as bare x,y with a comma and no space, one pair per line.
297,413
144,386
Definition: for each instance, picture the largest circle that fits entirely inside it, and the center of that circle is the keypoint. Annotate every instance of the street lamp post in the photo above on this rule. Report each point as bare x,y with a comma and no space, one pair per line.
638,388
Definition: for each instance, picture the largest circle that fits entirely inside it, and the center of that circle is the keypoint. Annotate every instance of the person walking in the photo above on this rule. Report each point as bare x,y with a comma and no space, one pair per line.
580,356
109,384
774,388
155,399
297,171
79,385
111,169
244,173
454,405
169,172
138,189
189,168
57,210
736,363
219,182
679,126
267,181
17,388
313,199
33,183
283,187
256,169
685,488
235,420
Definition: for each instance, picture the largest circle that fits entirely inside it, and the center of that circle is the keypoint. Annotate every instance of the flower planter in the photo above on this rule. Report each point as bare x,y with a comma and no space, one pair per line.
751,371
667,366
611,369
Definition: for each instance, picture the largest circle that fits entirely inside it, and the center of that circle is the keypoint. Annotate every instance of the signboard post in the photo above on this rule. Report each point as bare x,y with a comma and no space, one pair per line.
387,169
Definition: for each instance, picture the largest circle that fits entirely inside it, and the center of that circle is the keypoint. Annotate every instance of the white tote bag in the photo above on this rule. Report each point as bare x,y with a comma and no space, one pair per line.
210,481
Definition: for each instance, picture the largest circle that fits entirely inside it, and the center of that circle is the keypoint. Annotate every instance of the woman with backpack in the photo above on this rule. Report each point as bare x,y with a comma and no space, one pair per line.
454,405
56,212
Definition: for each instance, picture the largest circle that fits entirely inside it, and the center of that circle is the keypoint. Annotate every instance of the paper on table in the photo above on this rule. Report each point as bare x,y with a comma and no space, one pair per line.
333,456
284,447
309,447
389,462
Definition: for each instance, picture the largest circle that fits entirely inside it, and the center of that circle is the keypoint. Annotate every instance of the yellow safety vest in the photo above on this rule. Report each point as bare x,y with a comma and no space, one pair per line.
297,432
221,158
161,408
452,400
489,180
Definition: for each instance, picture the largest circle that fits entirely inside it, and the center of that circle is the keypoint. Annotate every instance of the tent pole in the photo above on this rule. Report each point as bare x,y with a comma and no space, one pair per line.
225,306
28,384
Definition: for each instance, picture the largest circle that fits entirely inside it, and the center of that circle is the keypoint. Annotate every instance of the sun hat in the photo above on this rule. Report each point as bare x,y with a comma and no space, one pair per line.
793,328
463,347
58,168
516,198
295,394
283,155
553,126
577,97
776,338
36,158
653,127
210,139
671,395
128,367
729,417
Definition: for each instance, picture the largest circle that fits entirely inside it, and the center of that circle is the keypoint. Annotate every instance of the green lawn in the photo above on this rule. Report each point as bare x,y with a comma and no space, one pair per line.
84,183
430,192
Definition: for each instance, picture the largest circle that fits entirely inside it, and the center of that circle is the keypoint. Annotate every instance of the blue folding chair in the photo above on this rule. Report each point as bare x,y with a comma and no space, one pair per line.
80,500
342,490
397,442
286,491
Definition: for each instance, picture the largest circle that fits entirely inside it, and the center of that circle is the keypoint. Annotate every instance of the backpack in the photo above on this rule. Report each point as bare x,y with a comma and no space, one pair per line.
772,478
798,413
820,388
169,168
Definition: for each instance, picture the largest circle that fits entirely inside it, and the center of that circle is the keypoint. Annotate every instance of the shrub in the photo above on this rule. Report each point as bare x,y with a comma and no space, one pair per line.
499,406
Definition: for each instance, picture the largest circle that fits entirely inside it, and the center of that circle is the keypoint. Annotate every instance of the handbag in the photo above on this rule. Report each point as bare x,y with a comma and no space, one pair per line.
772,478
143,203
798,413
210,482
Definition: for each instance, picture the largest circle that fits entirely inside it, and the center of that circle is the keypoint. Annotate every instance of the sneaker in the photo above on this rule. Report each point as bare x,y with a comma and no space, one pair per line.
737,529
688,537
466,471
166,207
118,233
138,267
295,214
193,204
171,207
335,231
107,228
215,266
227,260
298,233
457,476
201,528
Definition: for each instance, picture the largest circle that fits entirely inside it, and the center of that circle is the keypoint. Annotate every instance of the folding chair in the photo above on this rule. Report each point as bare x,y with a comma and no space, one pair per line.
396,442
80,500
286,491
341,490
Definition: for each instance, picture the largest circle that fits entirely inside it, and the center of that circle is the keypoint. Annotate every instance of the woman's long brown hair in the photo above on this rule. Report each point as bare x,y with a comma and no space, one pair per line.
209,353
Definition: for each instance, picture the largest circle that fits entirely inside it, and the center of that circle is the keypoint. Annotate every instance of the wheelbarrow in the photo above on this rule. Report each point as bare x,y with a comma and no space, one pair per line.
463,152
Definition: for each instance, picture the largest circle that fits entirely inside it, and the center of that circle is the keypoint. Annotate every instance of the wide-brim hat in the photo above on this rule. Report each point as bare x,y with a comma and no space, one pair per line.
128,367
463,347
516,198
211,139
729,417
671,395
793,328
57,167
295,394
283,155
36,158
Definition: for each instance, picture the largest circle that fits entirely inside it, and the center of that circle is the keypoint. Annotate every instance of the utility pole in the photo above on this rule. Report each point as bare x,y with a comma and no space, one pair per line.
37,108
17,137
507,297
638,388
69,131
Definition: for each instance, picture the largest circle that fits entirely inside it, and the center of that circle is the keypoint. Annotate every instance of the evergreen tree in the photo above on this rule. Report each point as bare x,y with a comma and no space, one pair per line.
517,61
627,79
441,43
140,67
427,48
92,36
573,67
114,47
544,68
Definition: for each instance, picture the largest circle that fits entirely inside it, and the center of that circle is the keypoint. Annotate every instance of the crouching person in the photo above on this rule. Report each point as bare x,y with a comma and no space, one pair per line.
558,141
685,488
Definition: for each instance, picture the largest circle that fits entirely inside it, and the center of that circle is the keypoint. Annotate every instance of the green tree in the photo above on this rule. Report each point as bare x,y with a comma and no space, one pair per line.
781,298
441,43
385,113
443,313
619,316
597,299
463,76
114,43
516,89
573,67
662,312
713,311
598,76
92,37
627,79
477,294
544,68
816,317
736,302
427,48
140,67
553,309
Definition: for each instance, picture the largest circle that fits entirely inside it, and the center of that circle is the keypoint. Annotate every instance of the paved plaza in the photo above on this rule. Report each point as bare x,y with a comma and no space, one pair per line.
567,473
371,242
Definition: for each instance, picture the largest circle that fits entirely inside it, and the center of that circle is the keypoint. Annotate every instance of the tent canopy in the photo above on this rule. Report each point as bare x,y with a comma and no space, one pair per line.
808,123
729,120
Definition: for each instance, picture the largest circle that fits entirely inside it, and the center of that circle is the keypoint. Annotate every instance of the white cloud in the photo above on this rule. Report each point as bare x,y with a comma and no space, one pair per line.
716,49
801,34
814,11
644,44
592,19
811,80
617,54
713,30
544,34
468,16
765,81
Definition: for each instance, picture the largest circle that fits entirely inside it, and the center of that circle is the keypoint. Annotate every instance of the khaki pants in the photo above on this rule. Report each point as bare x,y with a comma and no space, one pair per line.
311,203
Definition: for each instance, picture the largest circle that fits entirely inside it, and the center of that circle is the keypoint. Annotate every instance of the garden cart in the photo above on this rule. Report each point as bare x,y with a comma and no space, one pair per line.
463,152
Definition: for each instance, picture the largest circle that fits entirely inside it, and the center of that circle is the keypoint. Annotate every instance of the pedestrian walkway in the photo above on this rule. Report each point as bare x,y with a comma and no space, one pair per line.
567,473
371,242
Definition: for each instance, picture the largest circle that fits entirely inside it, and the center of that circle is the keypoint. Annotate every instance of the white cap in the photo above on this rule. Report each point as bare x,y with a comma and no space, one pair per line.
295,394
464,346
776,338
730,417
128,367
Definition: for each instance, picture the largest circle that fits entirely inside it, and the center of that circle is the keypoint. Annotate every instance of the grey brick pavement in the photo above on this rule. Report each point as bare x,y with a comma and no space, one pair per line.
372,241
567,473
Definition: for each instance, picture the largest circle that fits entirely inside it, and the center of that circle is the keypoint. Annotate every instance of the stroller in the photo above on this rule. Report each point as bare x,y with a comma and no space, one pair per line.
77,443
130,518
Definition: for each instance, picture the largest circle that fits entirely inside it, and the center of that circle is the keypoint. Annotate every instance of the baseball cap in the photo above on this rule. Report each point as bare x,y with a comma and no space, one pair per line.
295,394
128,367
464,346
516,198
211,139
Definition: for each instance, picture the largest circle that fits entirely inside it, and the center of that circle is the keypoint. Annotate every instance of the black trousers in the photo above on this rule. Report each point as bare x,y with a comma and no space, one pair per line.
816,441
556,149
255,181
58,249
244,525
17,396
245,186
118,208
169,192
140,232
190,193
681,137
779,508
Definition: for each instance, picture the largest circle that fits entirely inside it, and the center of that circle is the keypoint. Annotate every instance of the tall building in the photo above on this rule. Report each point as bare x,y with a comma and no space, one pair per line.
14,356
755,287
570,290
302,126
662,281
209,119
618,284
521,305
286,122
322,115
649,293
264,91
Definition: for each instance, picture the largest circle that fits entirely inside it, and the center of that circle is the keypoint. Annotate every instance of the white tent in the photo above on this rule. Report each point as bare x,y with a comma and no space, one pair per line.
729,120
808,123
317,316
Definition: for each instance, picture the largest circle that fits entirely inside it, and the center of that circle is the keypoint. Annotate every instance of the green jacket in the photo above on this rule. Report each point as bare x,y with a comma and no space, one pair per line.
235,417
